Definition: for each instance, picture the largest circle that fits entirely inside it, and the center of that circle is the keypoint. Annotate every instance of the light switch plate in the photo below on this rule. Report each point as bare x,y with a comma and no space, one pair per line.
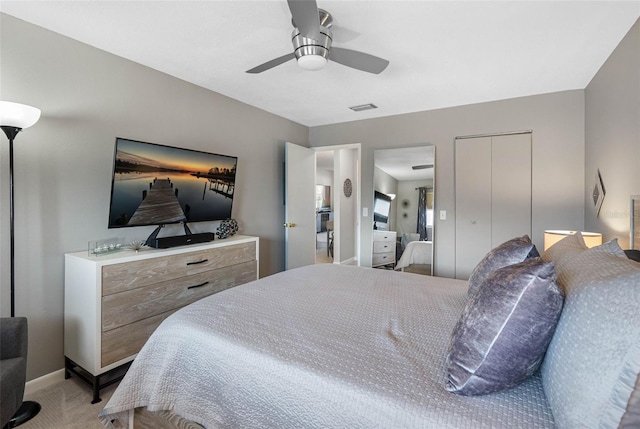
443,215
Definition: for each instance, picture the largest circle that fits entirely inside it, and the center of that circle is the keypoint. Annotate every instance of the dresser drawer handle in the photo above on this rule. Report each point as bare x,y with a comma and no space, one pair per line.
200,285
196,263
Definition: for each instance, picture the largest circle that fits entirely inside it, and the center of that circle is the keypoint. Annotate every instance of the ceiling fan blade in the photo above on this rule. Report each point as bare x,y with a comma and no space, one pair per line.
271,64
305,17
358,60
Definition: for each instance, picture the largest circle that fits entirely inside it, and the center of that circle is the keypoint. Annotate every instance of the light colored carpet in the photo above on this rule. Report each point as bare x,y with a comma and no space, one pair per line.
67,405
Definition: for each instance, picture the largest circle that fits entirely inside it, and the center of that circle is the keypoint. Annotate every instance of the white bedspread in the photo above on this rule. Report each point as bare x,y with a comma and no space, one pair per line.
416,252
324,346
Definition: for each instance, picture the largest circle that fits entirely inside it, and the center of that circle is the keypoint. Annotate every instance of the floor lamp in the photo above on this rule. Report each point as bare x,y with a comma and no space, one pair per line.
15,117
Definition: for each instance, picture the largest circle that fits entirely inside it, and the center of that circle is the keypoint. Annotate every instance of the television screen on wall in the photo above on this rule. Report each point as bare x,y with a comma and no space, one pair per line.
153,184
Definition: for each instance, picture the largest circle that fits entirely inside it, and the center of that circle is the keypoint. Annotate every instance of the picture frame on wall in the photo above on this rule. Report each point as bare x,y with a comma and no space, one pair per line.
634,239
598,192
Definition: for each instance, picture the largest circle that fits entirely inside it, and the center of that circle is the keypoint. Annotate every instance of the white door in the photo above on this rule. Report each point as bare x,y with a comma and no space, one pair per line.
493,195
473,203
299,212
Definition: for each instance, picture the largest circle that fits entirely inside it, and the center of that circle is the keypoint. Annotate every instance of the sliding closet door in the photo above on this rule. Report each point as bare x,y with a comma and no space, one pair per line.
510,187
493,195
473,203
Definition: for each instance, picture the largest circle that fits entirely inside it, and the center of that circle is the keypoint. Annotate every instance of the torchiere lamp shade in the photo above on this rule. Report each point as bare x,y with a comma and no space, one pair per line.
18,115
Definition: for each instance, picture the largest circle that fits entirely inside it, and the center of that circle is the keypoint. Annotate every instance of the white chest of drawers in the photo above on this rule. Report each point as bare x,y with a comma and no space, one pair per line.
113,303
384,248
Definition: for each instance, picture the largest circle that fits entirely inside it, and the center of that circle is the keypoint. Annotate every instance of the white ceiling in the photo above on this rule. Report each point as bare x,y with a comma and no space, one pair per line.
442,53
398,163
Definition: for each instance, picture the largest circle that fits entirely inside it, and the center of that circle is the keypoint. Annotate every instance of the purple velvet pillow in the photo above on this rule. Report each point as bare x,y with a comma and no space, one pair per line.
503,333
508,253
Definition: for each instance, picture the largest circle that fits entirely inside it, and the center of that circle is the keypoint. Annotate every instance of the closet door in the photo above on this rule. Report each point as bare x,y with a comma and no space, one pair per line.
510,187
493,195
473,167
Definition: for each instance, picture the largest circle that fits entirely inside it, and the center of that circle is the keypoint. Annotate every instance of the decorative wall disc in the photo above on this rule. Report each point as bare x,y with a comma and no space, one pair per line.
348,187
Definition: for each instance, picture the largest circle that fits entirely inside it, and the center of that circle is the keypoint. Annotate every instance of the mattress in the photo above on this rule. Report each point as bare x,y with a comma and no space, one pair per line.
323,346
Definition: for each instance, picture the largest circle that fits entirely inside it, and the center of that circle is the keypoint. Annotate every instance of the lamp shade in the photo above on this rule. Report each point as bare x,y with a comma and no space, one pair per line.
18,115
551,237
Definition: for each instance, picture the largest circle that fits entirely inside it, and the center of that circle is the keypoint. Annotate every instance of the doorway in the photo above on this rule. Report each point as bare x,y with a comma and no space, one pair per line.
337,205
301,214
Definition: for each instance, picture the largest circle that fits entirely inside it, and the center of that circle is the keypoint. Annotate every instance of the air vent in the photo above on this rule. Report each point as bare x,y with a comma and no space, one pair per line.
362,107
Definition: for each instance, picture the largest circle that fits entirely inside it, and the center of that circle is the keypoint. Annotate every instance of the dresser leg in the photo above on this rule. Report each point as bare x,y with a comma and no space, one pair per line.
96,390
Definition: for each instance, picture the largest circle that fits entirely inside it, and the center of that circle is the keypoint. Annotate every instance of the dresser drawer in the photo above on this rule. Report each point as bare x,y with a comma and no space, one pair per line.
384,236
127,340
384,258
125,276
384,246
136,304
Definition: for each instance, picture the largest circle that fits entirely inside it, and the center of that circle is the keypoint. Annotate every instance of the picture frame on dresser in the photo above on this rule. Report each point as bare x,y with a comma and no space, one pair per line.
113,303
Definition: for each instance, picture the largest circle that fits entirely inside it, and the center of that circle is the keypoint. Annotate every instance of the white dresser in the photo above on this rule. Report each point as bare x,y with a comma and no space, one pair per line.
114,302
384,248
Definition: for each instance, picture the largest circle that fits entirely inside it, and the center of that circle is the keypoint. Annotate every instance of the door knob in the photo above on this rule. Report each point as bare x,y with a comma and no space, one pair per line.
289,225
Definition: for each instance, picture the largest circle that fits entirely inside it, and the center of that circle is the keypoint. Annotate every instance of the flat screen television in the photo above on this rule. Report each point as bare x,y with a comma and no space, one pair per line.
381,207
153,184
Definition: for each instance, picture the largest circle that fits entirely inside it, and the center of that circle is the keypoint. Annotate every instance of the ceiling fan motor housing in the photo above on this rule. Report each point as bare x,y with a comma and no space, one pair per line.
312,54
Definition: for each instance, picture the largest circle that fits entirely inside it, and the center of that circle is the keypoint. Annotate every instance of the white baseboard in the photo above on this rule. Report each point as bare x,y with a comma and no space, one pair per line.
44,381
350,261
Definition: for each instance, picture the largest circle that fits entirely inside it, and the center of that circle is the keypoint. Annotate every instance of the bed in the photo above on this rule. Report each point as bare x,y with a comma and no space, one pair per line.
317,347
332,346
415,253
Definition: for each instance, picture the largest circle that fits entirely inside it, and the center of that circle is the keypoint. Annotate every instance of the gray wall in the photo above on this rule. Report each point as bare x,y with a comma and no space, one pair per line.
557,121
612,103
63,164
345,163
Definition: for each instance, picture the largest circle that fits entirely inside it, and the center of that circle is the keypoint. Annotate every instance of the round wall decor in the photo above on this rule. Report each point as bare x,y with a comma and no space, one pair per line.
347,187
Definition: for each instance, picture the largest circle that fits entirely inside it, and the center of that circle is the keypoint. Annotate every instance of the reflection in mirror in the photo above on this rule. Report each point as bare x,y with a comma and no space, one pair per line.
404,177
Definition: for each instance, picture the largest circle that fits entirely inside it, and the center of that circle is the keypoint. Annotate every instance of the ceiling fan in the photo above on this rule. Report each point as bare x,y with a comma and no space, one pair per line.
312,39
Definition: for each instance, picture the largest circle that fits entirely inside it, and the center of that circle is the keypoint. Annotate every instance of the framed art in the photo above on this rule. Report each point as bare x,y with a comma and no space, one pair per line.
634,239
598,192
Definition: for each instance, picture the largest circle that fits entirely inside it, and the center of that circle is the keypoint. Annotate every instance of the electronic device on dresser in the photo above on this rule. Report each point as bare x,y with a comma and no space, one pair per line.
154,184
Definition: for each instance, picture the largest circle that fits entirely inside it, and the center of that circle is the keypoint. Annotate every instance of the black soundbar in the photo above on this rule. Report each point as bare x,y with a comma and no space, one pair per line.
182,240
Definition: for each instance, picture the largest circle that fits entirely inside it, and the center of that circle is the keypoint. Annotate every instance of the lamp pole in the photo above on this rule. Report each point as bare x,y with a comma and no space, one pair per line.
14,118
11,133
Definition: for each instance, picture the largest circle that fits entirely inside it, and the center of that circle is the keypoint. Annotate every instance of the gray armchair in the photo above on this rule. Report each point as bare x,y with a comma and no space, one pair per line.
13,373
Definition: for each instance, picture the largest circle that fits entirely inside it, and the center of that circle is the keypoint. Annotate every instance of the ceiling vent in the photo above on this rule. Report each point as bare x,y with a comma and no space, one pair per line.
362,107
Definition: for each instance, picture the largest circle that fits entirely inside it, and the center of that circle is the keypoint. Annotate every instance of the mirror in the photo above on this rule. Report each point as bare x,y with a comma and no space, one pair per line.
404,187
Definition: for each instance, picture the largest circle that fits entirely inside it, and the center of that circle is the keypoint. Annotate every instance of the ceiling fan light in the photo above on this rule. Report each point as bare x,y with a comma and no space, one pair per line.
312,62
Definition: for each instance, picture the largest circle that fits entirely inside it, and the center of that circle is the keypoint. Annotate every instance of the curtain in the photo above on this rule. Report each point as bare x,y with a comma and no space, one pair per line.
422,212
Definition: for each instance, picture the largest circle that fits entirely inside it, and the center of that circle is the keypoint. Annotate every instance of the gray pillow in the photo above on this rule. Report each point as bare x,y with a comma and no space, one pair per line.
508,253
504,331
591,372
